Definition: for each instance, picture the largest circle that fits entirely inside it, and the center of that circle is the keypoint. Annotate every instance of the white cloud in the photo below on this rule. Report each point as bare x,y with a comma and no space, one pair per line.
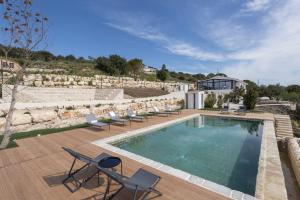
185,49
144,30
256,5
231,36
277,58
270,54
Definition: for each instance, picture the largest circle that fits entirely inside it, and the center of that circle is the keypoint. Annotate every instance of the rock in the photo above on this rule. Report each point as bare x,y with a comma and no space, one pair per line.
2,113
48,83
43,115
2,123
81,83
38,83
81,112
20,118
38,77
64,115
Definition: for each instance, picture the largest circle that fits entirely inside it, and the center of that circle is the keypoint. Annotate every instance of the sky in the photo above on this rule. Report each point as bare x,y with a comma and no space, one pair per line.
247,39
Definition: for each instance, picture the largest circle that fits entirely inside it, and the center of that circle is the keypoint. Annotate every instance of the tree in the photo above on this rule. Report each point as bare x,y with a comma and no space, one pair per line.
199,76
120,64
210,100
250,98
60,57
221,74
274,91
251,84
163,73
293,88
70,57
135,67
210,75
104,65
236,94
23,29
43,56
164,67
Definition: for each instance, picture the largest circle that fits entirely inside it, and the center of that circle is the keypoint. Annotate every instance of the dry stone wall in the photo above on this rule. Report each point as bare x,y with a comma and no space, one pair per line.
294,154
100,81
28,94
63,116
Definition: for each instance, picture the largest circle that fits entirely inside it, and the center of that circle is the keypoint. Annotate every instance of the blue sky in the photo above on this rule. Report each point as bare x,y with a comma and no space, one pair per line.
247,39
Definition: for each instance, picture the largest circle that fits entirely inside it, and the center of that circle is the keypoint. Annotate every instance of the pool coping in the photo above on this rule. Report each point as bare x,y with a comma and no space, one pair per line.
196,180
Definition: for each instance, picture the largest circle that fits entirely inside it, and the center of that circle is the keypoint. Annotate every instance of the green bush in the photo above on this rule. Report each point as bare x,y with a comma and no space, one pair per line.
297,112
236,94
220,101
250,98
210,100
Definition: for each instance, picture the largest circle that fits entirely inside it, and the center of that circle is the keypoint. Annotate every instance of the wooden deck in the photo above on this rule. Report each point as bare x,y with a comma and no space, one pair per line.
36,168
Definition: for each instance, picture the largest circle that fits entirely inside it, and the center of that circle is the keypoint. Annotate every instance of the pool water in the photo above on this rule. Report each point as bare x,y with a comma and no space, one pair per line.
222,150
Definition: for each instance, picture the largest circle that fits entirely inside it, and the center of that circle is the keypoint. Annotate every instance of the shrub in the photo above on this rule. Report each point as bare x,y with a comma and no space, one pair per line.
210,100
250,98
297,112
236,94
70,108
220,101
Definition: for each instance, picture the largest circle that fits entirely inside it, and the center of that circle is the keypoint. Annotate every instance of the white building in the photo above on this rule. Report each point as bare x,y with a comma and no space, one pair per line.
150,70
220,85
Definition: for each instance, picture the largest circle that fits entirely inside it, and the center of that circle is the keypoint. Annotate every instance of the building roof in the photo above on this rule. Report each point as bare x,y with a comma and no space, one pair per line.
223,78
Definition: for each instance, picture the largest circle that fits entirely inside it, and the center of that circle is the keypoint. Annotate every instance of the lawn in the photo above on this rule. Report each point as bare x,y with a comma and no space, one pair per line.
27,134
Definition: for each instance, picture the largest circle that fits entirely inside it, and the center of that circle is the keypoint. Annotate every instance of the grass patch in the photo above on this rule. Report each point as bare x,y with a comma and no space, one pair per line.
105,120
296,123
28,134
211,109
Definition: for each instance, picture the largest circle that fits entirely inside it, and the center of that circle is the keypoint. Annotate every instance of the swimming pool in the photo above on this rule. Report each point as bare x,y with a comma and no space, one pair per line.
223,150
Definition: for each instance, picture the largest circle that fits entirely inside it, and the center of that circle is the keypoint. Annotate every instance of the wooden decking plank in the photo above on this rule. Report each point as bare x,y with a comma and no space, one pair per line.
29,166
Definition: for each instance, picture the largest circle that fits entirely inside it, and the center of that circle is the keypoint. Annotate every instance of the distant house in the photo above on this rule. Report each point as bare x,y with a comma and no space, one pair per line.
9,65
150,70
220,84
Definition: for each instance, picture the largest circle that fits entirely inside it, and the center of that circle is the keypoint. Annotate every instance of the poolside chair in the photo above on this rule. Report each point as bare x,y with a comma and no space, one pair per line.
172,110
241,110
92,120
224,110
133,116
90,168
156,111
116,119
141,181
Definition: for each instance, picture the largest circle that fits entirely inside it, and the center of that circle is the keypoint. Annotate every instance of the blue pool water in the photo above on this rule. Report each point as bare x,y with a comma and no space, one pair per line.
222,150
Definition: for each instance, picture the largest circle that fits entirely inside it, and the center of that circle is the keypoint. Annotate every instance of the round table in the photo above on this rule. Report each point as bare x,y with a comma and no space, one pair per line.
111,162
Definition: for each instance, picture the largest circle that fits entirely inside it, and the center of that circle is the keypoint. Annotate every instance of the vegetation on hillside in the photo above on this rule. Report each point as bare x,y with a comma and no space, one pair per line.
114,65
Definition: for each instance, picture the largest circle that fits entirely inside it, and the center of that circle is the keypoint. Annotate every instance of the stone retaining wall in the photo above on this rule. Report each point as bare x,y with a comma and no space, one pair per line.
294,155
62,116
100,81
50,94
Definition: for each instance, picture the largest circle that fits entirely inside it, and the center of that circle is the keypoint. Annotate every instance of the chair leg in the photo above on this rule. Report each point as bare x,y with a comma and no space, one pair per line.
134,194
107,188
71,174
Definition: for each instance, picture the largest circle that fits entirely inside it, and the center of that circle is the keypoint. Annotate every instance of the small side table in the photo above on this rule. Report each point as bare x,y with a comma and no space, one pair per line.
110,163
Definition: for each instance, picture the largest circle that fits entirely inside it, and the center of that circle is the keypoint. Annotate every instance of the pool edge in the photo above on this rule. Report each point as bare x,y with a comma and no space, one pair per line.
269,167
196,180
